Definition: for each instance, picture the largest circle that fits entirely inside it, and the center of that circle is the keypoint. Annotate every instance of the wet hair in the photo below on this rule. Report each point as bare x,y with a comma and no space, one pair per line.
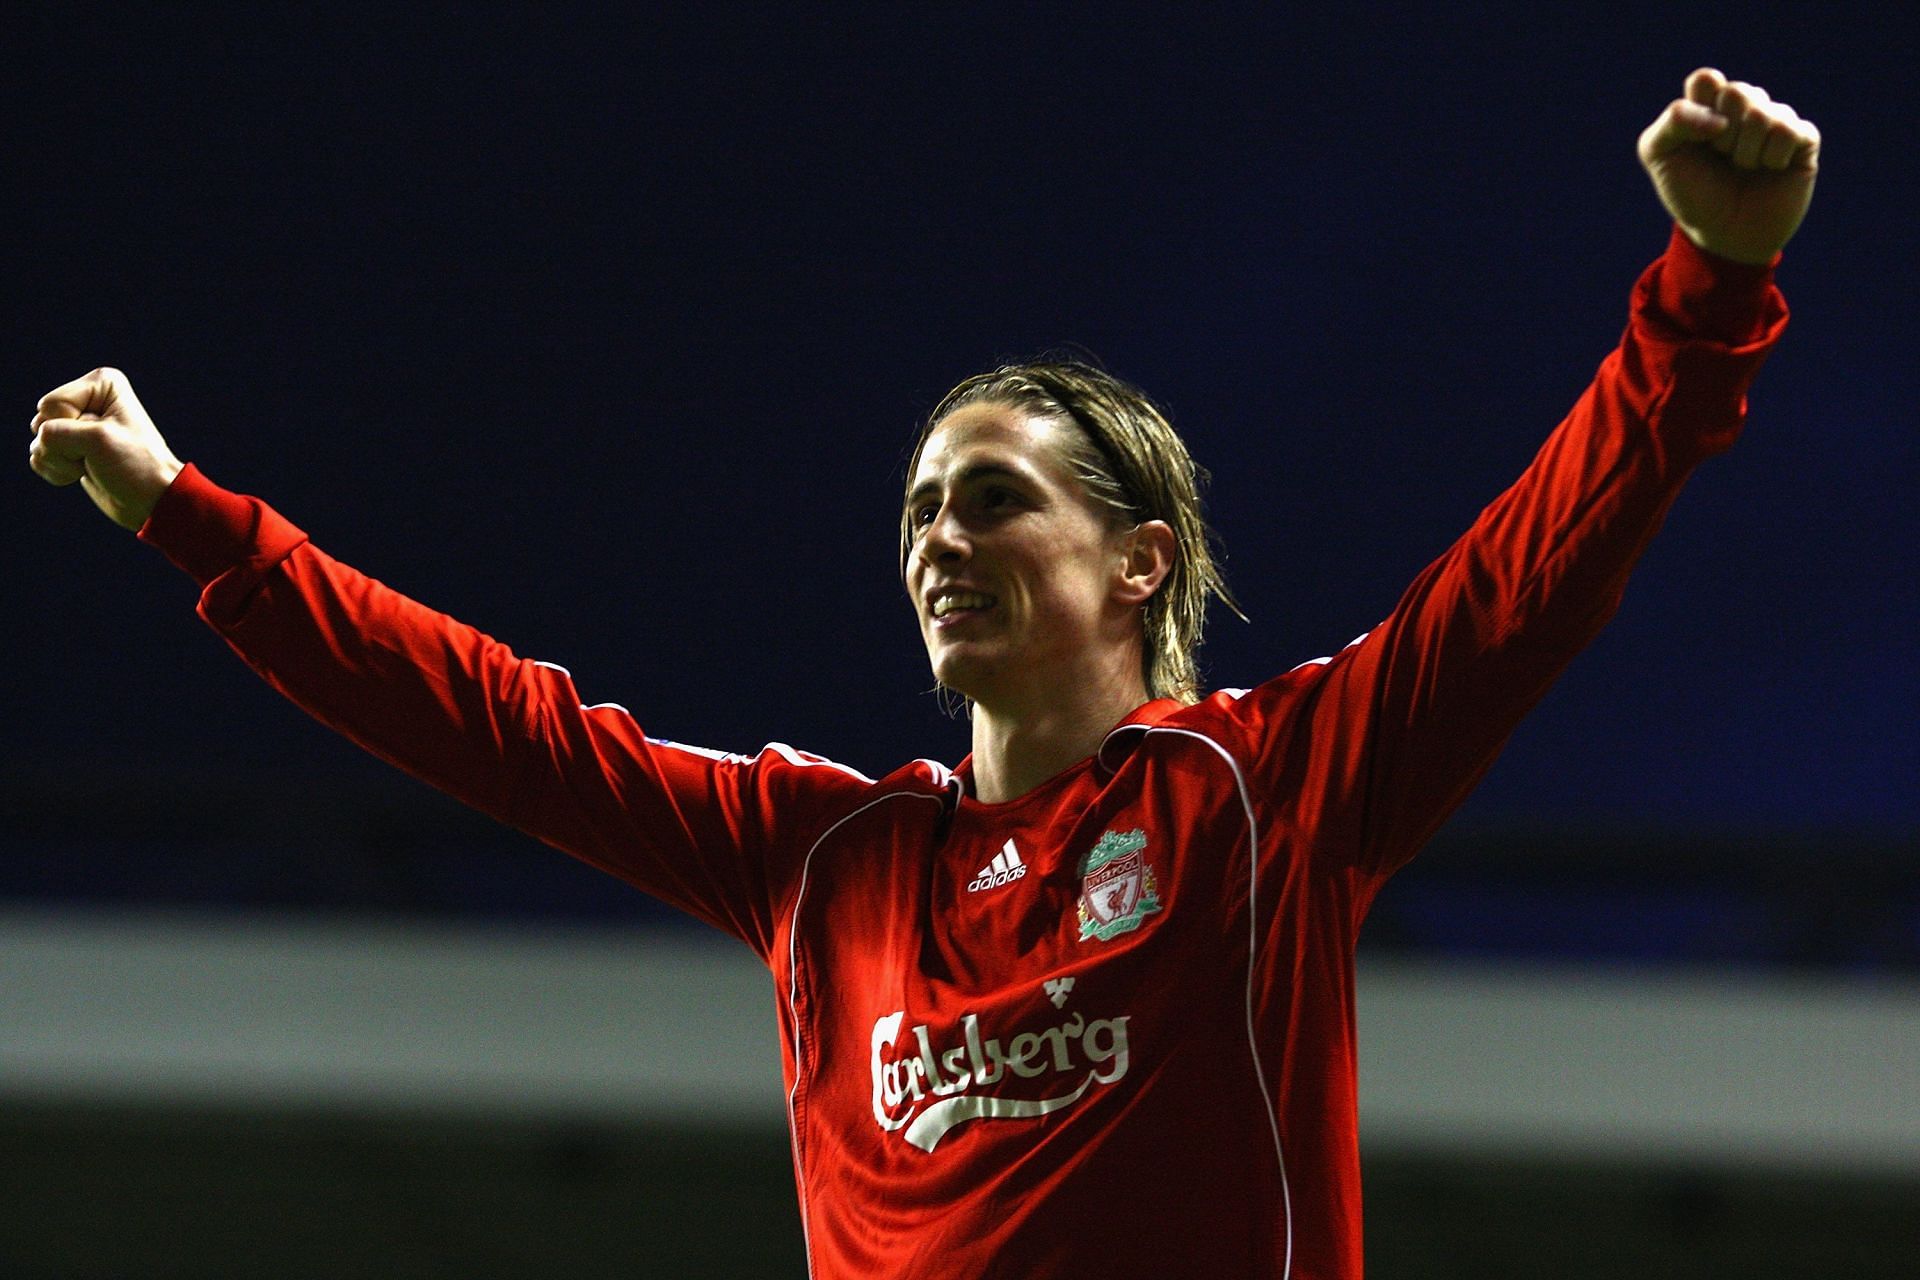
1132,464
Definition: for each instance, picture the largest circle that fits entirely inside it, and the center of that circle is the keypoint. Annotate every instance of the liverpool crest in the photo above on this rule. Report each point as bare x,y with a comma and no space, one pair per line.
1117,888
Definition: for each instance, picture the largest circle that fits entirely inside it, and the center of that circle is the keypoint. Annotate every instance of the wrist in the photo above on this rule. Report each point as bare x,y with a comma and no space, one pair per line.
1708,295
1745,255
167,469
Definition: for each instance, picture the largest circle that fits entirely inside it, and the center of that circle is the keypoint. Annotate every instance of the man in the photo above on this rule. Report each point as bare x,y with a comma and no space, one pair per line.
1082,1006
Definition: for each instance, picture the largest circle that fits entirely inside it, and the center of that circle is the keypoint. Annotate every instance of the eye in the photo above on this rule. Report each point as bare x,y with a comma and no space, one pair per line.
996,497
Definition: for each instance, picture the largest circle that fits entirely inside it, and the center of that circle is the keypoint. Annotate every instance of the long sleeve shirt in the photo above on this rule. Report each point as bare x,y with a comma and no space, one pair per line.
1105,1029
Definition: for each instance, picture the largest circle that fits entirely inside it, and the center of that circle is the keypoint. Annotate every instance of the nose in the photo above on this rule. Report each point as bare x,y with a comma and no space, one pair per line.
943,542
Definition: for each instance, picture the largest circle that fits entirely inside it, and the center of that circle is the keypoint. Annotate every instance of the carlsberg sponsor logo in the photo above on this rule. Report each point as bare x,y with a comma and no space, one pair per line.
910,1069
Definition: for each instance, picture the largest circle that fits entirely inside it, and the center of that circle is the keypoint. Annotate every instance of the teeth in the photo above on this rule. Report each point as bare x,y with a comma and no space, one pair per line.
946,604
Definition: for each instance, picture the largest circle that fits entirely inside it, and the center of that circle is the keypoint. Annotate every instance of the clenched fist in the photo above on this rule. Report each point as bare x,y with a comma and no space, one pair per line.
94,430
1734,167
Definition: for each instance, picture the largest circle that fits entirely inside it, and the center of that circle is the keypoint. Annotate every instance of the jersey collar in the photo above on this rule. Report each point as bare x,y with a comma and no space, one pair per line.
1113,752
1125,736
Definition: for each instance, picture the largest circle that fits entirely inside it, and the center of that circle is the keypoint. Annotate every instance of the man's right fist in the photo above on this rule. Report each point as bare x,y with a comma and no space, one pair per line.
93,430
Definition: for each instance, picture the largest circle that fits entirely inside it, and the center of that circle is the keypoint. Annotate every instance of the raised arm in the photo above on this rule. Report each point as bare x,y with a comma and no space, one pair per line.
1383,740
441,700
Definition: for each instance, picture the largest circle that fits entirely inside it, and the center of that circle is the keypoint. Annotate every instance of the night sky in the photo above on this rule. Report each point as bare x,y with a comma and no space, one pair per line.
610,336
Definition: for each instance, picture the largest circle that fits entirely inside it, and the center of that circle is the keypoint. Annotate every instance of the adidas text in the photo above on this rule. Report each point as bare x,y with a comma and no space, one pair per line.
1005,868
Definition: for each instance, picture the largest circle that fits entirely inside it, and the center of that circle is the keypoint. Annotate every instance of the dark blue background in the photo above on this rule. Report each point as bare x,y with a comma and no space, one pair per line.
609,335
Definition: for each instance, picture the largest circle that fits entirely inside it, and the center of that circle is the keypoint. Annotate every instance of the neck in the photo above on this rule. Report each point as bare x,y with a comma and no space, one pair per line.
1015,751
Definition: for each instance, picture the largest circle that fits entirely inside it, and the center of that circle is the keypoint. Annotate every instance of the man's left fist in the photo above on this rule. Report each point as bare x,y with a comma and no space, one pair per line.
1734,167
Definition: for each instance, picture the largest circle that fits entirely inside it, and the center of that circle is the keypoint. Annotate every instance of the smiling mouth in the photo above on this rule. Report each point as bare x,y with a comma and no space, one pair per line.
954,604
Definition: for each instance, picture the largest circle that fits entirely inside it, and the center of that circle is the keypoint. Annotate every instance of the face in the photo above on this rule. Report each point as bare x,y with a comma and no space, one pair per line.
1017,576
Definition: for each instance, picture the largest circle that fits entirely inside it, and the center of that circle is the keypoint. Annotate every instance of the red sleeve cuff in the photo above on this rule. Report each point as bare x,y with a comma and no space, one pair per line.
1703,295
206,530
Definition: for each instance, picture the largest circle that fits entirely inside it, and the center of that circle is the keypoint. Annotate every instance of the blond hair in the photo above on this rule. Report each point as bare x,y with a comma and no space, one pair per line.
1132,463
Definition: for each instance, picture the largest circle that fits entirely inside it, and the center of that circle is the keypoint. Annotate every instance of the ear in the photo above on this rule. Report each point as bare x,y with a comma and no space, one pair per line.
1148,553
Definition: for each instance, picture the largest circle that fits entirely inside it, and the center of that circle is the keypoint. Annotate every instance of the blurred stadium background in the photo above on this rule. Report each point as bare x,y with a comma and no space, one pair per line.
563,322
347,1058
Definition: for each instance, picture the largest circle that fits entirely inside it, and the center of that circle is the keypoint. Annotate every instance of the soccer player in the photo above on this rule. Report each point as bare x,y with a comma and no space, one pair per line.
1082,1005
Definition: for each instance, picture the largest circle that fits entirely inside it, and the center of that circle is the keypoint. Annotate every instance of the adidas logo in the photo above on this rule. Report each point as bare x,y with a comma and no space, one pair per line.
1005,868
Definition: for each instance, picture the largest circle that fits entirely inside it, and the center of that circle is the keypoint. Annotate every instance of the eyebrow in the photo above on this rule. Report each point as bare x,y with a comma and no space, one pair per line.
966,476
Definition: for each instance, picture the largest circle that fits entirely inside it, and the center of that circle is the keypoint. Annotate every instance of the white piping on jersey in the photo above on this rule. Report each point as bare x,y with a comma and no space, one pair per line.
1237,694
1253,940
792,756
793,985
1321,662
781,749
942,775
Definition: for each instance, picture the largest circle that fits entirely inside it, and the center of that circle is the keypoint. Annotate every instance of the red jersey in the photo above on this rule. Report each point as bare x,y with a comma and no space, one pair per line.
1105,1029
